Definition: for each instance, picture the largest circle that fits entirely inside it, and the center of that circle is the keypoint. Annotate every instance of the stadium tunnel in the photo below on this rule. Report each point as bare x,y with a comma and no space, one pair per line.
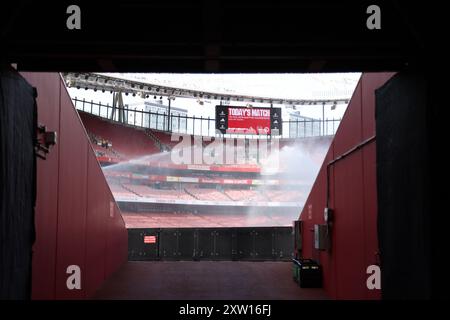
380,180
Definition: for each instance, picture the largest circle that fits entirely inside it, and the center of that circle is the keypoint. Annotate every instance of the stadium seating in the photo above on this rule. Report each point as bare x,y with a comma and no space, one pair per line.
284,195
127,141
148,192
120,192
163,137
206,194
245,195
103,148
203,220
121,143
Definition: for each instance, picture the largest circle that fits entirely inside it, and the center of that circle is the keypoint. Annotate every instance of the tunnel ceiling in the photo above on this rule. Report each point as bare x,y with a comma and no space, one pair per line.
218,36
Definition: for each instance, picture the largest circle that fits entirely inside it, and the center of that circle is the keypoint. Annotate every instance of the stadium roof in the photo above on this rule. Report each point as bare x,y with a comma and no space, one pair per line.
102,82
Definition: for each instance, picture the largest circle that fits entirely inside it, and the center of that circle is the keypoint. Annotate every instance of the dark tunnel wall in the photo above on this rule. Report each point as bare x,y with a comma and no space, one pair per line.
404,189
17,184
77,219
353,197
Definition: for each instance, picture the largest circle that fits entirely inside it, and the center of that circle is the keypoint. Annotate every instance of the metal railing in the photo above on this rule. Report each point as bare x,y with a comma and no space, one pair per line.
201,126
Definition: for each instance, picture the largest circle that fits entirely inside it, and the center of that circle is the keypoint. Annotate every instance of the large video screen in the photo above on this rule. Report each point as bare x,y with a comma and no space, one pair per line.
248,120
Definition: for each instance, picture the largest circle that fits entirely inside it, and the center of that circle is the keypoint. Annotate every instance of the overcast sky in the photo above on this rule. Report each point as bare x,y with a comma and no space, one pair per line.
288,86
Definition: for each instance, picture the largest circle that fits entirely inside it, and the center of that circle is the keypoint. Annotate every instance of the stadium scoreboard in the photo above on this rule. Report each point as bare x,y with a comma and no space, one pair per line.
248,120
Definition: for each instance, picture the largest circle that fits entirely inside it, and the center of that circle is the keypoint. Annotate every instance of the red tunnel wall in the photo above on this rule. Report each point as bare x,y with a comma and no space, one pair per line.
353,197
77,220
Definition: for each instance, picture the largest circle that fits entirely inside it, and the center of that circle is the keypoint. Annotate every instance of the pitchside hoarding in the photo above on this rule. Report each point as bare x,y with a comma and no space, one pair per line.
248,120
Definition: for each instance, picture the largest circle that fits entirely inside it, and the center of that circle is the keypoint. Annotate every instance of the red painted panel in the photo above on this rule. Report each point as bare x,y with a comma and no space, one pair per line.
110,242
72,222
114,238
72,200
311,214
370,211
350,129
353,197
371,82
327,259
349,227
96,226
44,249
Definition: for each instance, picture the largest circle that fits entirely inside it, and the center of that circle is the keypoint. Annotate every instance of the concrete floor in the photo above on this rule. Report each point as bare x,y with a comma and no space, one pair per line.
205,280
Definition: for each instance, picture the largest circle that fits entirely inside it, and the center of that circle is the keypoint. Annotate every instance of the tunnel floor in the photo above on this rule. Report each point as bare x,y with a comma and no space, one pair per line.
205,280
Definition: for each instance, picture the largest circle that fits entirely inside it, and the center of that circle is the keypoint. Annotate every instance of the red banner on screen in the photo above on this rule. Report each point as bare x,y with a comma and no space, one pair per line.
249,120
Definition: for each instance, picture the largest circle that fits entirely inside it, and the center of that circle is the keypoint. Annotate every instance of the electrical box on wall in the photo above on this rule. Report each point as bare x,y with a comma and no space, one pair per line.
321,236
